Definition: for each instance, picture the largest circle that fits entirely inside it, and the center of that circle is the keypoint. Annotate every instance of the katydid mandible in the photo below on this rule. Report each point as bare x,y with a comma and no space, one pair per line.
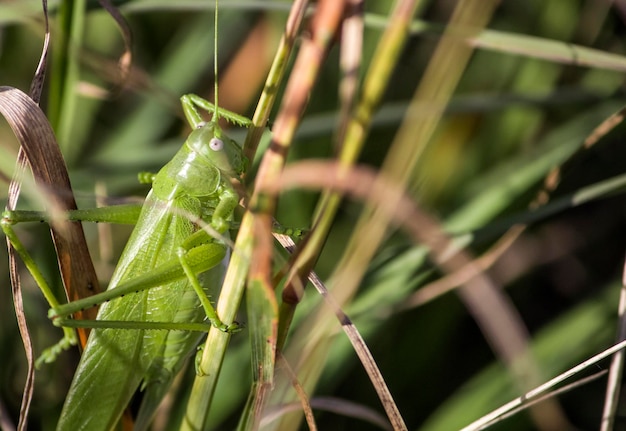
194,185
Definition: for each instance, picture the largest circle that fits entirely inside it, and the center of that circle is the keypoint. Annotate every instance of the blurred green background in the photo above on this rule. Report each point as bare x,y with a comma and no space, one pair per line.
512,118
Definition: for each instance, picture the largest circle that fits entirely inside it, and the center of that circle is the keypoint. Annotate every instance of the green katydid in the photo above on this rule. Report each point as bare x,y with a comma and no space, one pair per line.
158,266
150,319
194,185
178,235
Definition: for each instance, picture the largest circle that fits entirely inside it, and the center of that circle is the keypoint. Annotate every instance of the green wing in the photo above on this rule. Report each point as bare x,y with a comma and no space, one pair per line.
115,361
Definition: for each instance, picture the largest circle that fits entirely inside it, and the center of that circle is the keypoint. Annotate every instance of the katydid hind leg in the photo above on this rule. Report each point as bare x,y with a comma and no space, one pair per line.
209,310
159,378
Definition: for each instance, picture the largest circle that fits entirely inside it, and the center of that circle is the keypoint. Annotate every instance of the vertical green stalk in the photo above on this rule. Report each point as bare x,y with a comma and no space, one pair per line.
234,282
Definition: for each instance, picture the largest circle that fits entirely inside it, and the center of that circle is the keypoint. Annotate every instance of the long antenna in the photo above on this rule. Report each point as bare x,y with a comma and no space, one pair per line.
215,112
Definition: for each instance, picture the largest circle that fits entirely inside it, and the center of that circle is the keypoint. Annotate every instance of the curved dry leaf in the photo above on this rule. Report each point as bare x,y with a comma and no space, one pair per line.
39,146
35,134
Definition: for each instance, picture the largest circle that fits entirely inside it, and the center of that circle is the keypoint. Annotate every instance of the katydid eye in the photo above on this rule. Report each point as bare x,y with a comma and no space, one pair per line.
201,125
216,144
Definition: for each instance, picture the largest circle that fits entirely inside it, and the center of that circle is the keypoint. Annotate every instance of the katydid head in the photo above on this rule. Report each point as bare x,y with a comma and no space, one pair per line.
216,147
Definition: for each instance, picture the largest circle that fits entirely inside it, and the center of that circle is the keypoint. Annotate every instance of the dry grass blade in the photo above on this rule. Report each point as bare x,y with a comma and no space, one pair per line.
323,29
449,282
305,403
538,399
26,340
616,369
350,137
537,392
357,341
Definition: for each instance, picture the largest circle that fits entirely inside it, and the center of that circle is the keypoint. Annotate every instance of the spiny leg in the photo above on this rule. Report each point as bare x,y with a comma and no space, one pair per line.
204,299
200,256
118,214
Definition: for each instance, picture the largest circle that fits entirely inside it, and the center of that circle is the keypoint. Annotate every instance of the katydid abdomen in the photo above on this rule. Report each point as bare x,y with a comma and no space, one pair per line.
194,186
